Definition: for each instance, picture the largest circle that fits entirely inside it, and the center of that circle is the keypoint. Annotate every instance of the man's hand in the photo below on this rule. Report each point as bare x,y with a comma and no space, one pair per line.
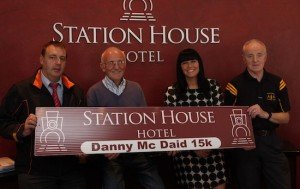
111,156
29,125
256,110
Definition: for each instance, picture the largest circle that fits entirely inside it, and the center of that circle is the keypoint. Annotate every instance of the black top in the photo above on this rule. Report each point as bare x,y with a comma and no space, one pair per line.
270,93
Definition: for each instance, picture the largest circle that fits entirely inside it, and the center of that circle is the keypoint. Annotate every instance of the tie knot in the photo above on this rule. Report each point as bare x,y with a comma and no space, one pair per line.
53,85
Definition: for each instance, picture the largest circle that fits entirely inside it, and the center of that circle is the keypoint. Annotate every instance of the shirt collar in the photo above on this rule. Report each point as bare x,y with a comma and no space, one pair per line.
46,81
110,85
249,77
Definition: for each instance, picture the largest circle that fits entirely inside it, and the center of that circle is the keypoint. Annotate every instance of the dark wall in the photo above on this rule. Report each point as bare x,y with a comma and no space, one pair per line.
25,26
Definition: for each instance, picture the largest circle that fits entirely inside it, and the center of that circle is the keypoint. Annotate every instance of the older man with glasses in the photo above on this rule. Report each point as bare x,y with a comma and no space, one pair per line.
115,91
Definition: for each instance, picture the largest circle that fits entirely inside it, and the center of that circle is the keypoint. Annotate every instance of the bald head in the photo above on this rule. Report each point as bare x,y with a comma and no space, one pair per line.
255,56
254,43
112,52
113,64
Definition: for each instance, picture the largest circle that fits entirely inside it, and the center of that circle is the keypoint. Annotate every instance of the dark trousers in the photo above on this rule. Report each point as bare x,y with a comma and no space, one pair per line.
72,180
138,163
265,161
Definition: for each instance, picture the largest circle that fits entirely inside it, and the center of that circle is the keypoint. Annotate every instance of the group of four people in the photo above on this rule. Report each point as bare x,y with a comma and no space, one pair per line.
264,93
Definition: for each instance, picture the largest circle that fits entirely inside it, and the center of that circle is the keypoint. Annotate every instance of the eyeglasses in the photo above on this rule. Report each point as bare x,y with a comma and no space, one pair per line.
111,64
56,58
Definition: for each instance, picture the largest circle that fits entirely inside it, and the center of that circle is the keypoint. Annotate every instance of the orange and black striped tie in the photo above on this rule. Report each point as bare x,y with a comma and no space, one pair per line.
55,95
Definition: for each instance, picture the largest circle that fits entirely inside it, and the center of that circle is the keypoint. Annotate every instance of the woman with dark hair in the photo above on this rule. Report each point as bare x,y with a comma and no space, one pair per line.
198,168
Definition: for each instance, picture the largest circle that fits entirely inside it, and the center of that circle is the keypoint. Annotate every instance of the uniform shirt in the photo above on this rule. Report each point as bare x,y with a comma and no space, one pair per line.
270,93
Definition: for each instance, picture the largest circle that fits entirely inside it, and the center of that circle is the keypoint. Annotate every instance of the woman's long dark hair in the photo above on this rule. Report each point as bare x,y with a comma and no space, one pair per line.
181,83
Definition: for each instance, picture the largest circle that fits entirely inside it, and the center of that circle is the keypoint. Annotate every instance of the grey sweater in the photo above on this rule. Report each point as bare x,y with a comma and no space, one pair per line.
99,96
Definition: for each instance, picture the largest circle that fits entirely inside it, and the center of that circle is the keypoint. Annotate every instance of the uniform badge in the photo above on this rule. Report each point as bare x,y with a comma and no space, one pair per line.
271,96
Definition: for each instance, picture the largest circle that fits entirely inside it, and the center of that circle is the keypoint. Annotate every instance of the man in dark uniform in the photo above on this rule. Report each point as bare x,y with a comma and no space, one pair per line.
48,87
267,97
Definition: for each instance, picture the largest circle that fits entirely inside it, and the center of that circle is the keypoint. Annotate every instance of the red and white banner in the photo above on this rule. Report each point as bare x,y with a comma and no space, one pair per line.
95,130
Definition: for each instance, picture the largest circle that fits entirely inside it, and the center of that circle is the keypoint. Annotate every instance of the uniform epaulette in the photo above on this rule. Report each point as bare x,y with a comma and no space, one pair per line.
282,85
231,89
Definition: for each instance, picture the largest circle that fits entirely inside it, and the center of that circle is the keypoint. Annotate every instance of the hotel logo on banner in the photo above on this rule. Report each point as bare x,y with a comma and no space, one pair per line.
52,136
240,131
130,14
